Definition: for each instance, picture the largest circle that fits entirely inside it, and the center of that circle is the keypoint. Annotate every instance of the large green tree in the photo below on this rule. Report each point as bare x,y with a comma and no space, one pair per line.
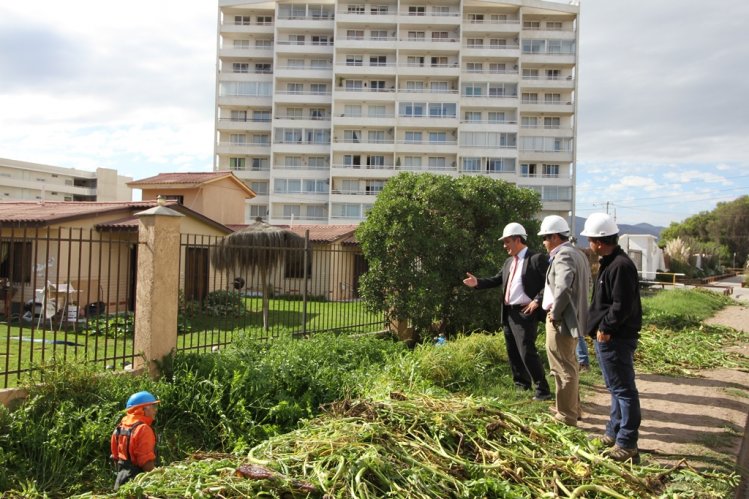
425,232
725,229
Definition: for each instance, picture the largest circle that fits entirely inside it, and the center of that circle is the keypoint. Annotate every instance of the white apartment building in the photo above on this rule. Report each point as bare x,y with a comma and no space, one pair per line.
21,180
319,103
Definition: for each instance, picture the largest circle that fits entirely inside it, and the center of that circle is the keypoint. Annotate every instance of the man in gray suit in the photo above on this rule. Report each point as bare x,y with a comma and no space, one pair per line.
565,299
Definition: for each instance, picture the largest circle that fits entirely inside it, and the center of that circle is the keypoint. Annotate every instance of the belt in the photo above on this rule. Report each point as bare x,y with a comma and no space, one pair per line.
517,307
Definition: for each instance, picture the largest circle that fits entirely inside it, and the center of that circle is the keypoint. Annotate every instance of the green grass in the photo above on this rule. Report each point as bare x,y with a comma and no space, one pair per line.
679,308
285,317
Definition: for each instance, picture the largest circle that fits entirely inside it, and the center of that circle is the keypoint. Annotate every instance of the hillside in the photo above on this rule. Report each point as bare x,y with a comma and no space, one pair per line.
641,228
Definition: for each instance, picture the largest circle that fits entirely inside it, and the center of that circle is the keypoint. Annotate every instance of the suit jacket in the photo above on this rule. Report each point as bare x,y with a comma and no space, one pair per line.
568,278
532,277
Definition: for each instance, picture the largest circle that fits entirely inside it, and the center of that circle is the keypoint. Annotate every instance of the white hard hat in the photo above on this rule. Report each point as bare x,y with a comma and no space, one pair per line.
554,224
599,225
514,229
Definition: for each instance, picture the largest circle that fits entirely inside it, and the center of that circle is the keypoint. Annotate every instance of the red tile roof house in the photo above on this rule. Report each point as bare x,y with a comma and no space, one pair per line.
88,247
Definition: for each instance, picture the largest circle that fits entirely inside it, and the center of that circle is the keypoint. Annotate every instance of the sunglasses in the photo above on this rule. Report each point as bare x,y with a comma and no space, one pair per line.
548,237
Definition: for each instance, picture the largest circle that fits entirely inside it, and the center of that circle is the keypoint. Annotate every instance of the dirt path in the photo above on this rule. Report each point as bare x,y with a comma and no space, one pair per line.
701,419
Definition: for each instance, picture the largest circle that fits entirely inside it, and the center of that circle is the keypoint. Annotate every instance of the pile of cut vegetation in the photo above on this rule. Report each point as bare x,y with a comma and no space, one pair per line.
414,445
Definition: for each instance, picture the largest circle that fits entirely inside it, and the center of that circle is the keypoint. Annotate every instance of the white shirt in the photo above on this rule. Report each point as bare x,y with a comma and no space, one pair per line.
515,284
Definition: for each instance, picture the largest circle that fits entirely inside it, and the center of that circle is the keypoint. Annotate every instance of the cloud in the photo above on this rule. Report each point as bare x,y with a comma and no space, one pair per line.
689,176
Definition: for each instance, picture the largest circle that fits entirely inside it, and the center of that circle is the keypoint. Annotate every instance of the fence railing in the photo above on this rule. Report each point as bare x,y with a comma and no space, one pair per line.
290,292
67,294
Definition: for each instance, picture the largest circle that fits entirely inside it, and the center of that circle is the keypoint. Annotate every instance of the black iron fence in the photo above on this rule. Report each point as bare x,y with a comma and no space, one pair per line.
284,292
67,294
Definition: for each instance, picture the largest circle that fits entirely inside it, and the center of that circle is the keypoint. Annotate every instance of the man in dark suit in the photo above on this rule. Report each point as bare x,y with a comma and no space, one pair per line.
522,280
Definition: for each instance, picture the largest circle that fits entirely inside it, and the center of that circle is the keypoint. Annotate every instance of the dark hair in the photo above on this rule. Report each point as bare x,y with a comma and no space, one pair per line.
564,237
607,240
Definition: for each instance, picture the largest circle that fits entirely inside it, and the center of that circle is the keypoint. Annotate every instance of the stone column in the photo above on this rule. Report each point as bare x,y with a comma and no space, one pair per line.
157,287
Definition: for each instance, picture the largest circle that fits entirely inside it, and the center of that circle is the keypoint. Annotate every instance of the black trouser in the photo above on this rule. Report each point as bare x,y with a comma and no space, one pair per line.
520,336
126,471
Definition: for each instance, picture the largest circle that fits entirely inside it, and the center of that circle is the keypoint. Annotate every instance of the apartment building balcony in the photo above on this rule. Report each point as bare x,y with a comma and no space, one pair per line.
487,100
431,70
374,15
487,51
248,173
307,73
362,171
423,146
343,119
246,53
365,70
509,126
304,48
363,145
564,33
50,186
301,147
433,46
249,124
302,23
556,58
365,94
485,75
545,156
541,82
284,121
230,27
294,97
243,100
546,131
509,25
430,94
307,170
293,198
243,149
368,43
453,18
535,107
227,76
428,121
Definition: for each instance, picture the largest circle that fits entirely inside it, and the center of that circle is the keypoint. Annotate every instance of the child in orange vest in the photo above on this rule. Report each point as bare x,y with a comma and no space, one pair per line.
133,442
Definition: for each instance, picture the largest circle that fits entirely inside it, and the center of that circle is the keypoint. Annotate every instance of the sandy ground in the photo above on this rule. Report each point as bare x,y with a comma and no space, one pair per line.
701,419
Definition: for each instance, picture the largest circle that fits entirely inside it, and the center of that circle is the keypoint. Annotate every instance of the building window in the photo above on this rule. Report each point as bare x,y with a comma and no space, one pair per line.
552,122
474,67
257,210
174,197
242,20
241,67
239,115
471,164
437,162
16,261
236,163
551,171
416,11
264,20
260,188
241,44
472,117
264,68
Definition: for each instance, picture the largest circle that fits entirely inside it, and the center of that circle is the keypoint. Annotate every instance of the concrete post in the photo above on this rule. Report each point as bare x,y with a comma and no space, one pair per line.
157,287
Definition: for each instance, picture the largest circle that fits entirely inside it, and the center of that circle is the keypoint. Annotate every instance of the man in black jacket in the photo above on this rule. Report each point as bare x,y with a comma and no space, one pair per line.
614,320
522,281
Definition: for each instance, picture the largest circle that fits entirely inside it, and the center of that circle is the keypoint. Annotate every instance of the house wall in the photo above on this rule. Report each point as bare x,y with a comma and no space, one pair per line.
221,200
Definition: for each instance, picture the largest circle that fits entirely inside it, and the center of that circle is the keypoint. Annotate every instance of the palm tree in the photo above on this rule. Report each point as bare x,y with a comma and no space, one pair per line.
259,247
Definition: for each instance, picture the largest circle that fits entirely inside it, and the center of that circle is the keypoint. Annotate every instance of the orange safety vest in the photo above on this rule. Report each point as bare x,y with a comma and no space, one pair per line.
133,442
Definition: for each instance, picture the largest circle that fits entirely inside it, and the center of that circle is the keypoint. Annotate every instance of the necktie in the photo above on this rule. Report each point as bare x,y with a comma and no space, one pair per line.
512,277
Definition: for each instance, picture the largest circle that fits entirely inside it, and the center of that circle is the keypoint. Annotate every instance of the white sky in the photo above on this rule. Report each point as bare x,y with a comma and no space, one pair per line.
663,108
